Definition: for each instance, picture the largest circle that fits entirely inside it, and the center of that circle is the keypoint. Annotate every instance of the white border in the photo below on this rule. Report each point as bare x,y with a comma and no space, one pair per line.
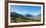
24,22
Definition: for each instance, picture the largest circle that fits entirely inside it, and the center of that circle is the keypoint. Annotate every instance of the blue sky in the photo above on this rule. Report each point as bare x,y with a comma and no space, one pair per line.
21,9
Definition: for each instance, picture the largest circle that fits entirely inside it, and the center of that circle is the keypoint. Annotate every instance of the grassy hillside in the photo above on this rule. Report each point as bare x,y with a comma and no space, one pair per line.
24,19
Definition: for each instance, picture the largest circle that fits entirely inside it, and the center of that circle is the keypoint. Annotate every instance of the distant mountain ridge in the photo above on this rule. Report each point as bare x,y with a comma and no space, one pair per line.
19,15
16,14
39,15
27,15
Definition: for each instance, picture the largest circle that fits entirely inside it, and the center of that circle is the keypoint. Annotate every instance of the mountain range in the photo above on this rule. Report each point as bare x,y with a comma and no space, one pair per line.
20,15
